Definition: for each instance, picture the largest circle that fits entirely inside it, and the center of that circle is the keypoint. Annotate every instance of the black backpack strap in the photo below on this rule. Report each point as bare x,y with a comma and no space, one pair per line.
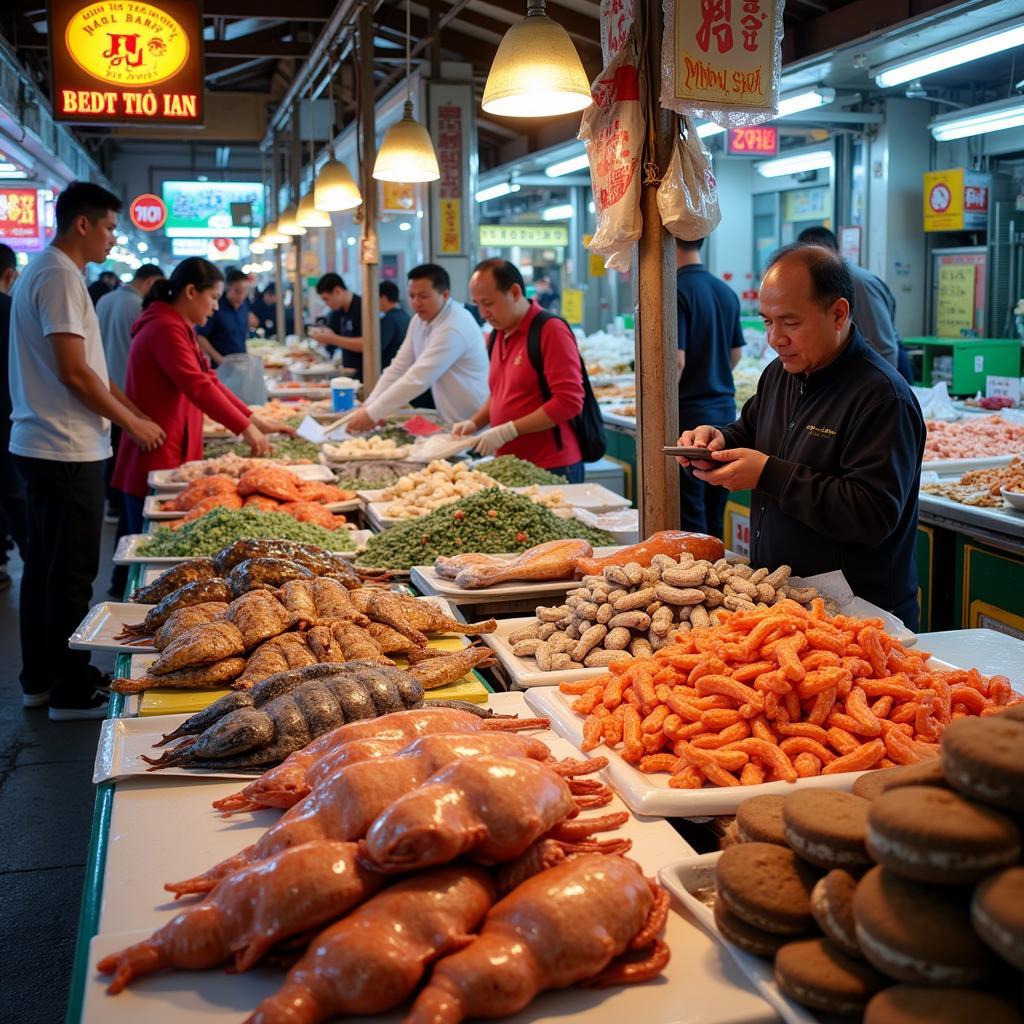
537,360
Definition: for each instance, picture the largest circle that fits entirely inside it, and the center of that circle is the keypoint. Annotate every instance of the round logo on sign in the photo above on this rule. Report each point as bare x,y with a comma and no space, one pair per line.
939,198
222,244
148,212
127,44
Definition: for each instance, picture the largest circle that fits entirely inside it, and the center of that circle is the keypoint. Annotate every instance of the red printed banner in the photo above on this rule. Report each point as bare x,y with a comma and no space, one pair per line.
759,140
449,160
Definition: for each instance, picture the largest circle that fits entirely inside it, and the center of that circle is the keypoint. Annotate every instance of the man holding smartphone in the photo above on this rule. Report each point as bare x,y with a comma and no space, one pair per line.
830,445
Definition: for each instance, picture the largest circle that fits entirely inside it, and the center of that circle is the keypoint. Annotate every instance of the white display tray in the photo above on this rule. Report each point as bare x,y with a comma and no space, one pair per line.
649,792
963,465
307,391
524,671
151,508
162,830
999,520
162,479
128,547
617,419
686,877
103,622
427,579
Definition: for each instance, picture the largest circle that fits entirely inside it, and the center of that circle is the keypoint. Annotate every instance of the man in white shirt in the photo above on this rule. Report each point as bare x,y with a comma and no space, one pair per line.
443,350
63,403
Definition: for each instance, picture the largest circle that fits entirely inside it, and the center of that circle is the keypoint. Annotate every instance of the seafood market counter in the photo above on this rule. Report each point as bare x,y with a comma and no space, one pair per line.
148,830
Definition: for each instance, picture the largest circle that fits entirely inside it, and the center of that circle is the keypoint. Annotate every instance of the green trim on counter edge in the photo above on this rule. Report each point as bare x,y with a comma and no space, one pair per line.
92,890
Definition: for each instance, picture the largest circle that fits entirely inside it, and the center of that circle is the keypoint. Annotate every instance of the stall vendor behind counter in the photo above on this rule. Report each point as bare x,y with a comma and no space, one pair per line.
831,444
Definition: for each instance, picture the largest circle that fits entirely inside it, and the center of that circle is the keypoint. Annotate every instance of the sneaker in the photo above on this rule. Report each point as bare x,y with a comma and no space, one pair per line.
35,700
94,706
111,515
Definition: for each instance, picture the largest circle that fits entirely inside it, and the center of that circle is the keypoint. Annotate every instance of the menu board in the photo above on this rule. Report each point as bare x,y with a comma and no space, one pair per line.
954,302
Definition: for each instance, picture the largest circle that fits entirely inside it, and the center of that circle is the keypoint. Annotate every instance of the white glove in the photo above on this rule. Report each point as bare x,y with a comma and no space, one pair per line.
464,427
491,440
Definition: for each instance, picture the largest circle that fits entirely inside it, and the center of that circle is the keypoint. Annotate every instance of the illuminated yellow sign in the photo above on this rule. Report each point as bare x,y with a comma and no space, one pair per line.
531,236
127,60
128,44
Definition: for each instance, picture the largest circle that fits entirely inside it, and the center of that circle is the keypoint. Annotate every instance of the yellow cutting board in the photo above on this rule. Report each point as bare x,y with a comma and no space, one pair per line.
188,702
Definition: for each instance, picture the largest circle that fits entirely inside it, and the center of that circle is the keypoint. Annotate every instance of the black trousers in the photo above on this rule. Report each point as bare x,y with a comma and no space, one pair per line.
702,505
65,524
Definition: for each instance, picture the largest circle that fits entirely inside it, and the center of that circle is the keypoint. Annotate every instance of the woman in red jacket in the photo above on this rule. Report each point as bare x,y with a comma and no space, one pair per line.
170,380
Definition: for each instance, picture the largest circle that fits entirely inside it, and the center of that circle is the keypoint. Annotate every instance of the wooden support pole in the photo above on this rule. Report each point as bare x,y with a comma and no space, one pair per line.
279,282
295,177
657,397
369,250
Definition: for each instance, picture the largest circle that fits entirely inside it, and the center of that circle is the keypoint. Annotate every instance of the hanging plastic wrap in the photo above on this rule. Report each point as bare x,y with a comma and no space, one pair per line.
617,17
612,131
688,193
723,60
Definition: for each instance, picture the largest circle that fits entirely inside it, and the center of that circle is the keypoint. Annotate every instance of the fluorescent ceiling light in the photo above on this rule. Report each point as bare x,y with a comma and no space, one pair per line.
950,55
810,99
709,128
814,161
989,117
405,226
562,212
10,175
503,188
575,163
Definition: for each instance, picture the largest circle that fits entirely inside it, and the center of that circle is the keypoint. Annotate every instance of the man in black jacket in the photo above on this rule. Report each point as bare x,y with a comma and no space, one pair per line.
831,444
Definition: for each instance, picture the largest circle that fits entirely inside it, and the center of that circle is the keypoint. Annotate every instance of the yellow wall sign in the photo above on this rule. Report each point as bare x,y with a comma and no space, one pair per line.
595,263
127,60
955,200
530,236
954,306
451,226
572,305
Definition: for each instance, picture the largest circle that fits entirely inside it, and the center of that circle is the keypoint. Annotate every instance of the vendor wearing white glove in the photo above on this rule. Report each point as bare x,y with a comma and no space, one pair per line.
529,423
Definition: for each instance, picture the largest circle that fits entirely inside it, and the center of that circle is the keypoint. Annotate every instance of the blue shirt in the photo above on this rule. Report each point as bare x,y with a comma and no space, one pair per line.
709,329
228,328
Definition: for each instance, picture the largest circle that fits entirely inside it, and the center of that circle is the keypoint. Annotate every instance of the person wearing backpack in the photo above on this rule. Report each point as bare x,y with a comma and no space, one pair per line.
541,407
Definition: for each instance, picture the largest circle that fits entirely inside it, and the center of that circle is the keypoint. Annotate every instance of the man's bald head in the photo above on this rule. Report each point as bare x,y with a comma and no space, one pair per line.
806,297
829,276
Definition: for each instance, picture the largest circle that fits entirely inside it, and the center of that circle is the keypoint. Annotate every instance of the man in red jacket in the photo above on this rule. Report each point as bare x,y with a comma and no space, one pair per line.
523,421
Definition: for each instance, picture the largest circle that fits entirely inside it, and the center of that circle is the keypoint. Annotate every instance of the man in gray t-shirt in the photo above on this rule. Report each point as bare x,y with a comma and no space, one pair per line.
116,312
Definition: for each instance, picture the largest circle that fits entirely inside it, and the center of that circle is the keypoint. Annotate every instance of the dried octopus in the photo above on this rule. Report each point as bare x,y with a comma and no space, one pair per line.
249,729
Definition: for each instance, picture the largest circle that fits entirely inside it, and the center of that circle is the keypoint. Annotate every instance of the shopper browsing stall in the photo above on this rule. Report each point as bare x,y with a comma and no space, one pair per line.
168,374
524,421
226,332
710,344
443,351
63,404
344,328
831,444
12,487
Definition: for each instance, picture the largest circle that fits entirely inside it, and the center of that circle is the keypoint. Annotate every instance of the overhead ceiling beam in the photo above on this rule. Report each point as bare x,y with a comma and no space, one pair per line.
293,10
252,47
470,48
499,27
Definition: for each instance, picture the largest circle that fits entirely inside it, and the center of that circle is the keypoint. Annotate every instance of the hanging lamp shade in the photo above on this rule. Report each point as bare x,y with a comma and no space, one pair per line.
335,188
289,223
406,153
536,71
309,216
273,236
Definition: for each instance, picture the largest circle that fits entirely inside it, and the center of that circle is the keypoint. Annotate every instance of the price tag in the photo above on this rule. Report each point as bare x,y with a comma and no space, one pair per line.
739,534
1003,387
979,364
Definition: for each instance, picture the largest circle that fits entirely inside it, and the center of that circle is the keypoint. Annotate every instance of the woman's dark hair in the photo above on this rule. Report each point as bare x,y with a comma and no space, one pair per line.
438,276
505,274
830,276
195,271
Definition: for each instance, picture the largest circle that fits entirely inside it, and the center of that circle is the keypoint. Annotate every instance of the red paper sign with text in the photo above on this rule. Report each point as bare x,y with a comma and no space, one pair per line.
759,140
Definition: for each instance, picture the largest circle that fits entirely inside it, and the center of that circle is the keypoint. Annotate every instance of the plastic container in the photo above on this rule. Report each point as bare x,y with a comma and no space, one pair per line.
622,524
343,393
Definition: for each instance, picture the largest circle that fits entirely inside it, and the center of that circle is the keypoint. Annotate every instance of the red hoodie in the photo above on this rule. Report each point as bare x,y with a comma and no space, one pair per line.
170,380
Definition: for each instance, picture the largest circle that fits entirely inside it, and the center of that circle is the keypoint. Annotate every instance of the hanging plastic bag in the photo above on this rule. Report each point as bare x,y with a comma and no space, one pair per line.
688,193
613,130
242,375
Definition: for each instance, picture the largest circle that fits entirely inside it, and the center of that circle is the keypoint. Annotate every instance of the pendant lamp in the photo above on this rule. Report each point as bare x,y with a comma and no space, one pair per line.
275,236
406,153
289,223
309,216
335,188
256,247
536,71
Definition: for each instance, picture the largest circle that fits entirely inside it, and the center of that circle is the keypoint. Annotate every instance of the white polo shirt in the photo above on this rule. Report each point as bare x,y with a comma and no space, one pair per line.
49,422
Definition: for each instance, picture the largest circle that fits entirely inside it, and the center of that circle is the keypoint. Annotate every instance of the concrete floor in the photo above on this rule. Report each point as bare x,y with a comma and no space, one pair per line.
46,806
